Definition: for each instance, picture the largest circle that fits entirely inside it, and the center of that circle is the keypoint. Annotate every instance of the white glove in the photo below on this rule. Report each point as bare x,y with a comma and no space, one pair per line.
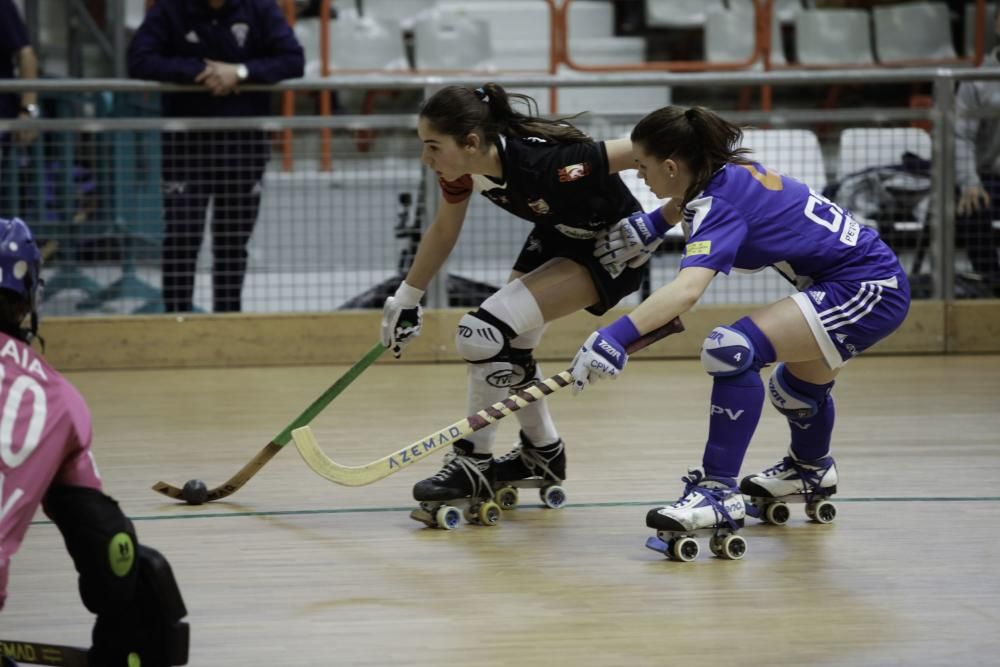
630,242
601,355
402,318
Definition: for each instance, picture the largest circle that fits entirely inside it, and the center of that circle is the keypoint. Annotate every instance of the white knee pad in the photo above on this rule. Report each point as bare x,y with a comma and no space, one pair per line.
478,340
726,351
791,403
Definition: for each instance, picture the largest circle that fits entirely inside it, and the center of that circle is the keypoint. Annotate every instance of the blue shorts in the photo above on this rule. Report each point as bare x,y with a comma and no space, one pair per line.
849,316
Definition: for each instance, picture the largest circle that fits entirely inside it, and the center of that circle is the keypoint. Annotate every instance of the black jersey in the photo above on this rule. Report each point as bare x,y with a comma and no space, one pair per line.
565,186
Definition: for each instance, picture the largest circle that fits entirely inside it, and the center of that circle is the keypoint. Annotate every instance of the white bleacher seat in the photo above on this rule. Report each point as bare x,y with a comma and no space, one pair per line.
784,11
795,153
445,40
401,12
834,37
729,37
913,31
680,13
861,148
590,18
989,34
356,43
509,21
864,148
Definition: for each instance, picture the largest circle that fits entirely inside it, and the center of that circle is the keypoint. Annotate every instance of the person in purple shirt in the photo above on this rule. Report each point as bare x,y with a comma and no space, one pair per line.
45,459
218,44
739,215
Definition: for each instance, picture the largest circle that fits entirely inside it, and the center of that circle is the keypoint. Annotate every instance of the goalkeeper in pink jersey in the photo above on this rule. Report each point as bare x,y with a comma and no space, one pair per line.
45,458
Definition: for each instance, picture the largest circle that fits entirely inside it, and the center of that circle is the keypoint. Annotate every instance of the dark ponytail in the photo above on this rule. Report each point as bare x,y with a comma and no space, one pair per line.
459,111
700,137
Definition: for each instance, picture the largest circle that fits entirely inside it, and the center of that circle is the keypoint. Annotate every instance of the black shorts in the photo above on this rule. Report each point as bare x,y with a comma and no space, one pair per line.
544,244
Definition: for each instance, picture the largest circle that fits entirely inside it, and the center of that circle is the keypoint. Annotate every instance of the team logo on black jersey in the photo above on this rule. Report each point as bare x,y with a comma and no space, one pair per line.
240,31
574,172
539,206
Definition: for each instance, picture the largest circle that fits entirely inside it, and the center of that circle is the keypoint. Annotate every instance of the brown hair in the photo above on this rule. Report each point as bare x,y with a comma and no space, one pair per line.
459,111
702,138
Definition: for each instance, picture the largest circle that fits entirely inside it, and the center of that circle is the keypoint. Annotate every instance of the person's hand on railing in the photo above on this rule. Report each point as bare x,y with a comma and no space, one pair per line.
973,198
220,78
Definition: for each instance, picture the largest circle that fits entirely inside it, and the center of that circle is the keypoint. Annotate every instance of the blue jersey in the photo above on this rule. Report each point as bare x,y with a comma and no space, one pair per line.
748,218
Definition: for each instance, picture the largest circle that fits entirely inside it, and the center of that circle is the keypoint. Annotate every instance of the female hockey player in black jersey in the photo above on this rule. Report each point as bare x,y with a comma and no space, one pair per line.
564,183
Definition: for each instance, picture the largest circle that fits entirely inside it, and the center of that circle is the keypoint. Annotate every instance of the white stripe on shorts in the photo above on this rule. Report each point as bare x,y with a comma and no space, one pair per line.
856,308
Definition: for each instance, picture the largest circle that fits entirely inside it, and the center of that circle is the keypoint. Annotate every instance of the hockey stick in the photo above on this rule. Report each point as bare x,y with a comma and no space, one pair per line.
324,466
236,482
43,654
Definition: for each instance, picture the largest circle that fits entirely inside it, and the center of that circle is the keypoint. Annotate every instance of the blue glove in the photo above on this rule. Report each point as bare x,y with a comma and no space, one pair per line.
631,241
603,353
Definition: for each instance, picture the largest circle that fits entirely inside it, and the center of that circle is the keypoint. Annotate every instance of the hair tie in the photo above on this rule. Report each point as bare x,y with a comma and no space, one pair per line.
689,114
482,95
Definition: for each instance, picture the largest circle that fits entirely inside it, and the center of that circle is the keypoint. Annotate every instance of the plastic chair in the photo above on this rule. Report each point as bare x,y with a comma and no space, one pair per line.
916,31
834,37
729,37
862,148
680,13
795,153
444,39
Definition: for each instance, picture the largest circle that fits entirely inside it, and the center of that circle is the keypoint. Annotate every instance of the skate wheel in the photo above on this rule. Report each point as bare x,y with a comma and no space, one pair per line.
447,517
822,511
777,514
732,547
684,549
489,513
554,496
506,497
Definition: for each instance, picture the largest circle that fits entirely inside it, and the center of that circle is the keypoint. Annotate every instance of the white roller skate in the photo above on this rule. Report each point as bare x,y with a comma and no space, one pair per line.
463,487
792,481
527,466
707,505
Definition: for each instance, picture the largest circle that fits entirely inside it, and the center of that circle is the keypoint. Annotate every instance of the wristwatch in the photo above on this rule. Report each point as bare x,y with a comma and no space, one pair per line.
242,72
31,109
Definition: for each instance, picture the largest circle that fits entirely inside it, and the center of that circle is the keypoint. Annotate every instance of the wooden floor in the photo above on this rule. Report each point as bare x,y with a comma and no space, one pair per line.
293,570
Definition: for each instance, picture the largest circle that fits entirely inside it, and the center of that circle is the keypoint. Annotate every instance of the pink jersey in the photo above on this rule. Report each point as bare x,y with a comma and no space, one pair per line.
45,433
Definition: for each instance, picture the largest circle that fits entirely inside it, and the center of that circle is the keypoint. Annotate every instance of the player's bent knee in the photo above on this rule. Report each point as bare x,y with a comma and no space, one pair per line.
481,337
129,586
793,404
149,626
726,351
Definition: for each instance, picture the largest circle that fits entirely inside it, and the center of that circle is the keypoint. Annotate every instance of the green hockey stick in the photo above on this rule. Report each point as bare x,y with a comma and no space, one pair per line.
236,482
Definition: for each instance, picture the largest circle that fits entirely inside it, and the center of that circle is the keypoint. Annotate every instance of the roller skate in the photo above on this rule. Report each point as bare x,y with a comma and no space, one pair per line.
708,505
792,481
530,467
463,487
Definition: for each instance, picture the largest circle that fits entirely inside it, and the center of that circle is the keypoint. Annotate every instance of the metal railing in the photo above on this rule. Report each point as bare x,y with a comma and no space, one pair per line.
330,239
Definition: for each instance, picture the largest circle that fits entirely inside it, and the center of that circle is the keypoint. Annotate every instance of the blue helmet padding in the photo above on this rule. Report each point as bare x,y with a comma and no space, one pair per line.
20,259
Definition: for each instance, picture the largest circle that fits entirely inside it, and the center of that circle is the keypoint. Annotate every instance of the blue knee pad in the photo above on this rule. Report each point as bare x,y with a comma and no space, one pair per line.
736,349
795,398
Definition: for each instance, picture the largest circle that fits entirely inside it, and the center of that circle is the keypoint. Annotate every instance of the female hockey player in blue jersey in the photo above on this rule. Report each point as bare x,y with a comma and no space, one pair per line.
737,214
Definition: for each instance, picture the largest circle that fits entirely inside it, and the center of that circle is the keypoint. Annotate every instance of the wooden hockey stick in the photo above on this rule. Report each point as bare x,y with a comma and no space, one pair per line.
43,654
236,482
324,466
